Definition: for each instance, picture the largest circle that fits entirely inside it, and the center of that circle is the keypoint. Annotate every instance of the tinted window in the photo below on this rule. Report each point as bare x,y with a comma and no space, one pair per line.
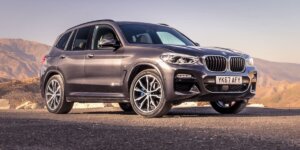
153,34
81,39
61,44
71,41
102,33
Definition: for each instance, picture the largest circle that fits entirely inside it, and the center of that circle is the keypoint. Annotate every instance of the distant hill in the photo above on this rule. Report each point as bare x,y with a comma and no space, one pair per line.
20,59
279,94
275,71
4,80
278,83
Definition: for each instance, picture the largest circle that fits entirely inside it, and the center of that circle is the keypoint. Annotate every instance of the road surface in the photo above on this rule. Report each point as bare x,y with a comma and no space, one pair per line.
182,128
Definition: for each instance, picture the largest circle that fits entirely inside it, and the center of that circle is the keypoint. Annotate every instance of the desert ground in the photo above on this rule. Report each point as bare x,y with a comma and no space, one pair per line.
182,128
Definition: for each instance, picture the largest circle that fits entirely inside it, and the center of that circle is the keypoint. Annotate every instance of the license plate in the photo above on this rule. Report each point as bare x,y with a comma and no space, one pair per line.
229,80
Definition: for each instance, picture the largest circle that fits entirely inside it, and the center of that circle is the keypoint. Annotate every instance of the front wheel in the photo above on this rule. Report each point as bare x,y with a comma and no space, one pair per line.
147,95
230,107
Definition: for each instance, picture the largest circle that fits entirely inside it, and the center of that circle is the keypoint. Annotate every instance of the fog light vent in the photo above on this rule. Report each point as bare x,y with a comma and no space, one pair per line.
194,89
184,76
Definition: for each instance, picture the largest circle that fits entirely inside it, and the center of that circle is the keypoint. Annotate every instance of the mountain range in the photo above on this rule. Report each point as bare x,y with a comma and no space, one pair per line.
20,59
278,83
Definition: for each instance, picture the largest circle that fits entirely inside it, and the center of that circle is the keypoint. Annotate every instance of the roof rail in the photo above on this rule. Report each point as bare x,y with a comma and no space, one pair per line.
163,24
91,22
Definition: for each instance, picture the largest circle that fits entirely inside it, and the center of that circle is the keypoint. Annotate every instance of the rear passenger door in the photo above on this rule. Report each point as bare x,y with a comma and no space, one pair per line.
72,61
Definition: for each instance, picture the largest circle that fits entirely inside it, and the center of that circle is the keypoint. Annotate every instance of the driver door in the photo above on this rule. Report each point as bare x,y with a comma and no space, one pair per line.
103,65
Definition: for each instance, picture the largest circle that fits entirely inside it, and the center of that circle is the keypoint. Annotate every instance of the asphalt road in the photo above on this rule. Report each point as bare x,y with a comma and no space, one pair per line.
182,128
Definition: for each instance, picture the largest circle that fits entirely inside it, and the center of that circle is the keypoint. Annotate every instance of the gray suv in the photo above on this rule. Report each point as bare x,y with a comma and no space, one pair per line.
146,68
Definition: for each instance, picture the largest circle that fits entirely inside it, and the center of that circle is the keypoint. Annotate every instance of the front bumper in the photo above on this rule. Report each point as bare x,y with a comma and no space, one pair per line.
202,87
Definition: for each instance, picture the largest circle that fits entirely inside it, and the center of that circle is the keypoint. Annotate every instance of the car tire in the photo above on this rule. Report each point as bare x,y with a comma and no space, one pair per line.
147,92
126,107
54,96
232,107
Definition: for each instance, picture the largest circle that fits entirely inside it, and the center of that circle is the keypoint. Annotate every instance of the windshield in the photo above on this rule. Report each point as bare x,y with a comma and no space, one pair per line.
153,34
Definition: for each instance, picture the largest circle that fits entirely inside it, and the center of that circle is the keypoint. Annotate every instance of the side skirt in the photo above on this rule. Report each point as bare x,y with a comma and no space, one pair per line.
92,97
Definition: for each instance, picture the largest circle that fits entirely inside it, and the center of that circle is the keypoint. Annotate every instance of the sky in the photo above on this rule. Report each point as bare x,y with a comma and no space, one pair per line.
268,29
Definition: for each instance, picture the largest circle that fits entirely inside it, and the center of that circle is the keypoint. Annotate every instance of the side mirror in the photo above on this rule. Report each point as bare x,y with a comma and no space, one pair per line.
197,44
109,43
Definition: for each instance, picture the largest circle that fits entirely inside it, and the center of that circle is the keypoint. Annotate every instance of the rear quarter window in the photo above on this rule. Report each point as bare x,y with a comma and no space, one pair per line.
61,44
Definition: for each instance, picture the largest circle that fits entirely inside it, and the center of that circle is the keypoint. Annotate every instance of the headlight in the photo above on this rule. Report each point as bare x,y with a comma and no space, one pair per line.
175,58
250,61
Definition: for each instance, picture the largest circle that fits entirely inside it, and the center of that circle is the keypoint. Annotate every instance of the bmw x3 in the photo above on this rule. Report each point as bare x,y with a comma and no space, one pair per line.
146,68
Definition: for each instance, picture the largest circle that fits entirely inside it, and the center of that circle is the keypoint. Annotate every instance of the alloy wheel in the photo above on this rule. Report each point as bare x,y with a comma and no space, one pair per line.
147,93
53,94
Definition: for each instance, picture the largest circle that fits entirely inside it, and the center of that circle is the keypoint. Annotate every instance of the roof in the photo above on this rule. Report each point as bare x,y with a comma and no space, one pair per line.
95,21
117,22
143,23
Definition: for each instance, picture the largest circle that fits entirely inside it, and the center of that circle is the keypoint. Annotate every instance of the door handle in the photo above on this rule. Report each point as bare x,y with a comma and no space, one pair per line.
90,55
62,56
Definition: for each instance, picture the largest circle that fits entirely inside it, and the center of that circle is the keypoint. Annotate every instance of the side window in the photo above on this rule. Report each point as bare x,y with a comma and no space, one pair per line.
81,39
61,44
102,34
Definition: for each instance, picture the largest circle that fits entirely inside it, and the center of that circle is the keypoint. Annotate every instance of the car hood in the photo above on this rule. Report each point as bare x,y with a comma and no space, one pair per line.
201,51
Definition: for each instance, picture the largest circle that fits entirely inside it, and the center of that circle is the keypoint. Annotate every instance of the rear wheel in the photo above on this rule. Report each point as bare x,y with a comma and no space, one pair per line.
147,95
230,107
126,107
55,98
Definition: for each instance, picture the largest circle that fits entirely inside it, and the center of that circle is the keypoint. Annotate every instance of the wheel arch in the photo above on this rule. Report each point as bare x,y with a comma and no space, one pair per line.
48,76
137,69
